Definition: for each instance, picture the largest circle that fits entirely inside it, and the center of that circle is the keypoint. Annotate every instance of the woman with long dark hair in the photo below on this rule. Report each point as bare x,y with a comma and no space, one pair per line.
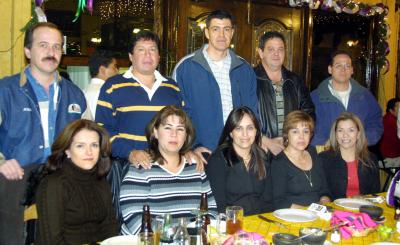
74,199
238,170
350,169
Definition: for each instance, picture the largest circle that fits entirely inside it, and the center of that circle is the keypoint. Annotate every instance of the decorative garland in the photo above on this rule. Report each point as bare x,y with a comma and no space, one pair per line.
350,7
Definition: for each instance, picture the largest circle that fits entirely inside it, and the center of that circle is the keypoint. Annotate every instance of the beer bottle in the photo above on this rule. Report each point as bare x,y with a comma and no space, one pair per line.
204,211
146,221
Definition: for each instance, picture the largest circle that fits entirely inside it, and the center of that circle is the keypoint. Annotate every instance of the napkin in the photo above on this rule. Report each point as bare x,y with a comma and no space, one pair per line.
253,235
356,224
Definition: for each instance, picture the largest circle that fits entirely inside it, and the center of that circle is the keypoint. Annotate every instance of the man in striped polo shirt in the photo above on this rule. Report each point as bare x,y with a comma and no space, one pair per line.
127,102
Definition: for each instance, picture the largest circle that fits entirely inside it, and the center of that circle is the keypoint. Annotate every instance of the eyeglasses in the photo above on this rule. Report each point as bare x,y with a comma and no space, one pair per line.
345,67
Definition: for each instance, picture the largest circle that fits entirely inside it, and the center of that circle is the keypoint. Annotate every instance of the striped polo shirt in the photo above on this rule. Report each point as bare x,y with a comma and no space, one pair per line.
125,107
165,192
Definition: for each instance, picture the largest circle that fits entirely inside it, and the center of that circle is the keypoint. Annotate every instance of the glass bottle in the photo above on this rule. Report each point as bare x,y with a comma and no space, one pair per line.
181,236
201,234
204,211
168,230
146,232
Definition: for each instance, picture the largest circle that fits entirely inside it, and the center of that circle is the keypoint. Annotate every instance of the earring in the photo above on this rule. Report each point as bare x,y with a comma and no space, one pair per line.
68,156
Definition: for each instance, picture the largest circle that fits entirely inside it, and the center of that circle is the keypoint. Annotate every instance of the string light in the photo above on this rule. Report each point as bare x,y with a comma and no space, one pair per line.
119,8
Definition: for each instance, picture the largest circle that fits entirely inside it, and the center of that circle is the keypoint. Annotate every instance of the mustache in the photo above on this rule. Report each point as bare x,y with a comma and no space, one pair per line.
49,58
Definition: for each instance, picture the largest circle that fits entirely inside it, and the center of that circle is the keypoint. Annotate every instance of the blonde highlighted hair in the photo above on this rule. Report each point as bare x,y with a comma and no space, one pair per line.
361,153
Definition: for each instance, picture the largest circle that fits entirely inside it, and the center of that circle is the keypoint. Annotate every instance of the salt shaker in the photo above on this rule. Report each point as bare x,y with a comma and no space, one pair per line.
335,236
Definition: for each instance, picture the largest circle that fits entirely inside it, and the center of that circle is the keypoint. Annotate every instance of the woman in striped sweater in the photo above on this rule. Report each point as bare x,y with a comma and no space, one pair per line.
171,185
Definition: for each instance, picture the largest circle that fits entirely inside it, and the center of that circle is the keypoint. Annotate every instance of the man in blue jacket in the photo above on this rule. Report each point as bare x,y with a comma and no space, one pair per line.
340,93
35,106
214,80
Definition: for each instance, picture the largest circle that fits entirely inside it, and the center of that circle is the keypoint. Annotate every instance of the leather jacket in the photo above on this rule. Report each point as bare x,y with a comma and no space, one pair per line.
295,93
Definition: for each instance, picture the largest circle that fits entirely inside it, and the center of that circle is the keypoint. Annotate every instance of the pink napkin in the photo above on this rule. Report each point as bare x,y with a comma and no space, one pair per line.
255,237
354,221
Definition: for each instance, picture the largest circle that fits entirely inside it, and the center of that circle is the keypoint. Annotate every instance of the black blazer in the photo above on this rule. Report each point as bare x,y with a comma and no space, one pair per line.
234,185
336,174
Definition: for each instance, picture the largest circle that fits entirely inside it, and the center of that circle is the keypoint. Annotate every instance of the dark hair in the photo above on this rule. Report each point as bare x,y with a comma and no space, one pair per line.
144,36
336,53
291,121
269,35
220,14
362,153
258,156
63,142
99,58
29,32
160,119
391,104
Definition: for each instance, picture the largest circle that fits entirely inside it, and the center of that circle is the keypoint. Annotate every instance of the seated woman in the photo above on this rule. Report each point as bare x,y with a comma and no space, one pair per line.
74,199
171,185
238,170
349,168
298,177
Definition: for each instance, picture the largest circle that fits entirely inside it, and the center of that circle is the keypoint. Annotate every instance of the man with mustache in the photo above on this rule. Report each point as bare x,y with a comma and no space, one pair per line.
35,105
214,80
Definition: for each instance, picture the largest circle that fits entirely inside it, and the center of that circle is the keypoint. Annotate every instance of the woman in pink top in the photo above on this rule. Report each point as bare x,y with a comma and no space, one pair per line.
351,170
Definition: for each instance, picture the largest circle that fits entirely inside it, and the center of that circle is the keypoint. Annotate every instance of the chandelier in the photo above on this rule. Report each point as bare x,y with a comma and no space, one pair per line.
110,9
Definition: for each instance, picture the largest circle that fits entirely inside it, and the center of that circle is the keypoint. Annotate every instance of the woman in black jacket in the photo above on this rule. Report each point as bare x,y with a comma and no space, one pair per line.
238,171
349,168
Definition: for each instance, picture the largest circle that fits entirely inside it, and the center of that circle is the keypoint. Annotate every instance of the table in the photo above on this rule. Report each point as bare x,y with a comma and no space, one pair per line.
255,224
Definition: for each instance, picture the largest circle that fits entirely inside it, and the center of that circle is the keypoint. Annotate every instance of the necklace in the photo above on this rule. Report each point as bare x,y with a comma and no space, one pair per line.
308,177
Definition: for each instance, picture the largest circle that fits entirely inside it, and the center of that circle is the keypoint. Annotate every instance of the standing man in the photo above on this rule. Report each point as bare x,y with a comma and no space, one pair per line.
128,102
340,93
35,105
214,80
102,65
279,91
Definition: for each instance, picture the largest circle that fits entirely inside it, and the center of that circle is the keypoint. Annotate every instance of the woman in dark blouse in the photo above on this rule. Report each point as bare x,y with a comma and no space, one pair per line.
297,175
350,169
74,199
238,171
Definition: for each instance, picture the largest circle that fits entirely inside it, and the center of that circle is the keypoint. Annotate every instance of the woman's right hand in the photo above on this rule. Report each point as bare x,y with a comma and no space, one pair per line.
140,158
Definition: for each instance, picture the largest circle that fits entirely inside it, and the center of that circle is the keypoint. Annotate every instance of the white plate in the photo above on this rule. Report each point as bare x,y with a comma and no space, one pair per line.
121,240
295,215
351,203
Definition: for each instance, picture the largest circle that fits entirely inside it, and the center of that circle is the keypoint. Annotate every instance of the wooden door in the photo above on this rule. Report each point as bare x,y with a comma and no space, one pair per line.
182,21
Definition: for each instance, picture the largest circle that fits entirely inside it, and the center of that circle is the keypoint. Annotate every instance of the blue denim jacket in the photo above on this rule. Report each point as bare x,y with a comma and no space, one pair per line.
21,134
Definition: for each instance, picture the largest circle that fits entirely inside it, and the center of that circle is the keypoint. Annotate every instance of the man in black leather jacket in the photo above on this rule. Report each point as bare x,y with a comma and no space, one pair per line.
279,91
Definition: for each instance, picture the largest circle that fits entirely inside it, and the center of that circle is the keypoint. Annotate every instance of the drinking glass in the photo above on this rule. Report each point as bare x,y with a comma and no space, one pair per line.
158,223
234,219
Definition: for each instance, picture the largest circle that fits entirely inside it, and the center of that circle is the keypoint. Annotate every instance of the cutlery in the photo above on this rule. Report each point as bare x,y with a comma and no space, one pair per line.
324,230
273,221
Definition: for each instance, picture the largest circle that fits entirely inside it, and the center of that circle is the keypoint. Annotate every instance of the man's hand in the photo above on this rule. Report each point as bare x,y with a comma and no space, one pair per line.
274,145
199,152
11,170
140,158
199,160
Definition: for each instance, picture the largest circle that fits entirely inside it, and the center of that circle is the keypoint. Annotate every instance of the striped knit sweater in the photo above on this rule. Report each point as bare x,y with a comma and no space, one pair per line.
124,109
165,192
